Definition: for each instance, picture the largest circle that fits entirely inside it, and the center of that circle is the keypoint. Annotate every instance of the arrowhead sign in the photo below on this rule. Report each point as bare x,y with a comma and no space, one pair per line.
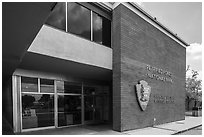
143,91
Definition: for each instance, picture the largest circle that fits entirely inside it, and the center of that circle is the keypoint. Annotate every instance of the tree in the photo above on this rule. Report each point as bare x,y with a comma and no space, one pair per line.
193,88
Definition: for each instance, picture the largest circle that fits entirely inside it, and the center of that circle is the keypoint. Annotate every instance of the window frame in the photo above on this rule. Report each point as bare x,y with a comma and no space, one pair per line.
67,30
33,93
100,13
93,9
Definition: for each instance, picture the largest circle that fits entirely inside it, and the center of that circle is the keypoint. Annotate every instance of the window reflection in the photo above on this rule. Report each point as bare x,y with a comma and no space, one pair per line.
79,20
68,87
58,16
37,110
101,30
69,110
29,84
46,86
97,28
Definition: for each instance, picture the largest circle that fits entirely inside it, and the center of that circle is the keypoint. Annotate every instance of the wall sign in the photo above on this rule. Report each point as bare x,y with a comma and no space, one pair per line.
159,74
143,91
163,99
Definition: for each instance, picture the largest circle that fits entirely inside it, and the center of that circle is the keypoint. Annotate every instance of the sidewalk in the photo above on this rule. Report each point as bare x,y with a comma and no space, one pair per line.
102,129
169,128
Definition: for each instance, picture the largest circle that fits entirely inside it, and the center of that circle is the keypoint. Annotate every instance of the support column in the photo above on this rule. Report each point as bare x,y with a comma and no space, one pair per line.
116,35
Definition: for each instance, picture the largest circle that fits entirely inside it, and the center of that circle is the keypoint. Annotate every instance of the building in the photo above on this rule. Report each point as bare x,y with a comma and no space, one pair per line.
70,64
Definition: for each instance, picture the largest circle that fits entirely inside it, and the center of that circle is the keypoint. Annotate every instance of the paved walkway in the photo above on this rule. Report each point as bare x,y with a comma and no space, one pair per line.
164,129
169,128
195,131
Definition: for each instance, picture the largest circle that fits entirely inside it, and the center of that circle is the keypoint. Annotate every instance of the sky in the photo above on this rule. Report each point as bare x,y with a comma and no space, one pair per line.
184,19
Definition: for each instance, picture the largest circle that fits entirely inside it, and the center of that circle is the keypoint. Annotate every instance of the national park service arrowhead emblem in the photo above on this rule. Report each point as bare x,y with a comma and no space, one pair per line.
143,91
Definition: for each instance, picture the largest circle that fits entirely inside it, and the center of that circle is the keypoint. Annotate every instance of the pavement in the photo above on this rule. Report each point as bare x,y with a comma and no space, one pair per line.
104,129
195,131
169,128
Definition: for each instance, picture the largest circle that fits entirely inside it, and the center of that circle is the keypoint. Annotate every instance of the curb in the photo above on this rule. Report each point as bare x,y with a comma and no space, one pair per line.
178,132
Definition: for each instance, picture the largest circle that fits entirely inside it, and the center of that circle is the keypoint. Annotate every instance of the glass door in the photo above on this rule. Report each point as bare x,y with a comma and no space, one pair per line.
89,104
95,104
99,108
89,108
69,108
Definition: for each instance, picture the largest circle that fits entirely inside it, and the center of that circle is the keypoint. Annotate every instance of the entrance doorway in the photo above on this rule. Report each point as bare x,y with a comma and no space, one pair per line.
96,102
47,103
69,104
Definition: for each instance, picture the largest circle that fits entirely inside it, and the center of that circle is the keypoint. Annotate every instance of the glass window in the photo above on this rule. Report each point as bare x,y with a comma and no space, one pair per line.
46,86
69,110
37,110
89,90
68,87
79,20
97,28
93,90
106,33
58,16
101,30
29,84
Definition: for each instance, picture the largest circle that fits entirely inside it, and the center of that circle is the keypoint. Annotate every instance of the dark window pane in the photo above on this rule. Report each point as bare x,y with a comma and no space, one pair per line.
93,90
106,33
99,107
79,20
101,30
69,110
68,87
96,103
88,107
89,90
37,110
58,16
60,86
29,84
97,28
46,86
106,89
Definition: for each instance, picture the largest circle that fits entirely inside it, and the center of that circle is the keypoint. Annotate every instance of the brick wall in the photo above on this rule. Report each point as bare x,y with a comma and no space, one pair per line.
136,43
116,31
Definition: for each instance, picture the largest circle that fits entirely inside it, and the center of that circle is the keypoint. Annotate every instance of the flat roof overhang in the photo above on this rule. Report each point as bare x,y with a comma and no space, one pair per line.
48,64
21,22
59,44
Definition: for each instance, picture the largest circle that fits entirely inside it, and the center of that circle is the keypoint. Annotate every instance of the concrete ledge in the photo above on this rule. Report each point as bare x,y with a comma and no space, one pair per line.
59,44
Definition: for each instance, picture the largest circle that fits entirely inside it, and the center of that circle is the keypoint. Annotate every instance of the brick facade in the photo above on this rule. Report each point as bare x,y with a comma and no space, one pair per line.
136,44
